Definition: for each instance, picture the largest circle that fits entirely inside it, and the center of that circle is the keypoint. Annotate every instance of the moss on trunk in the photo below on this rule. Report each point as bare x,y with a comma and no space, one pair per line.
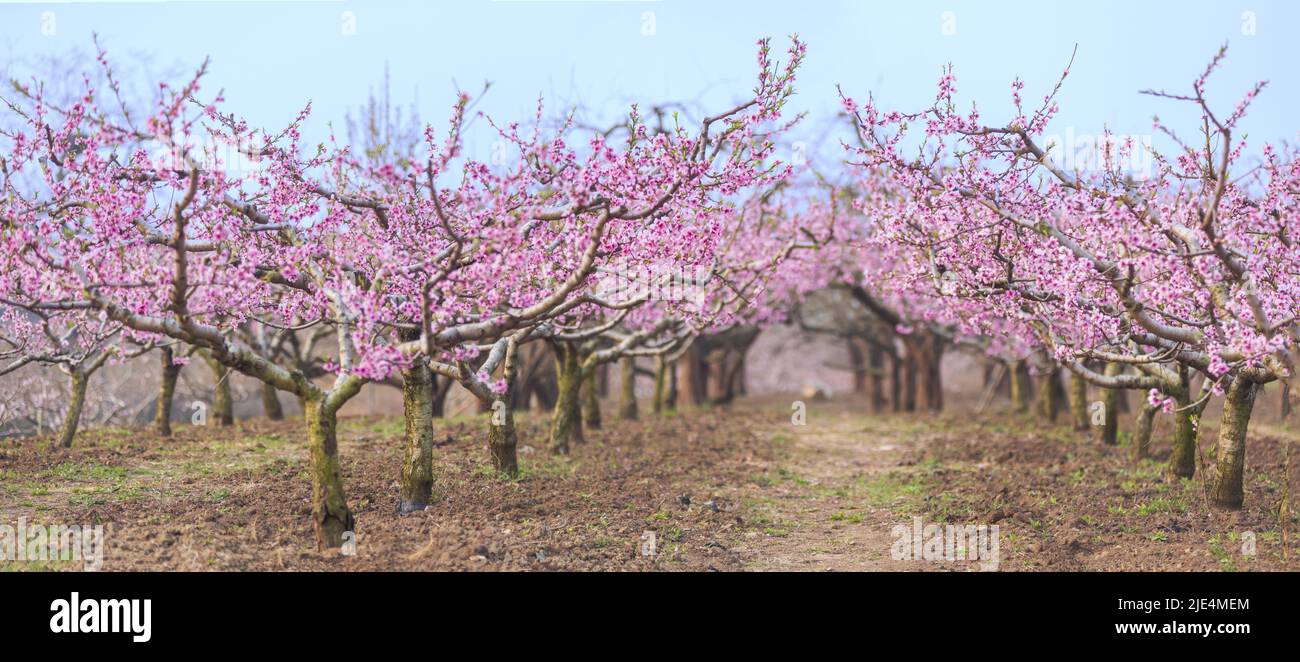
1078,402
1182,457
331,518
1230,462
566,421
417,456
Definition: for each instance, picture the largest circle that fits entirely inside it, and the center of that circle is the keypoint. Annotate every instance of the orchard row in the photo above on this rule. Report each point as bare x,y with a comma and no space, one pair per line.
324,268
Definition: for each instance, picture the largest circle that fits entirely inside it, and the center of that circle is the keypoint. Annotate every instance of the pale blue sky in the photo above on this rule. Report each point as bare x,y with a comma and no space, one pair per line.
271,57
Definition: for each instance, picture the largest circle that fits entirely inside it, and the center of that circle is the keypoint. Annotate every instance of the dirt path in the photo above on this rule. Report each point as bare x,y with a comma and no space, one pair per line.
841,485
836,488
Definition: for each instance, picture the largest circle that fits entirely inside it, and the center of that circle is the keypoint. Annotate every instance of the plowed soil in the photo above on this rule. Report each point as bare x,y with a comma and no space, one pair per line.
727,490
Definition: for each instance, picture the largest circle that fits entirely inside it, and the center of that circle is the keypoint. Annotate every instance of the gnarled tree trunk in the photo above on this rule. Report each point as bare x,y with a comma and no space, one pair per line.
1231,459
417,456
566,422
331,517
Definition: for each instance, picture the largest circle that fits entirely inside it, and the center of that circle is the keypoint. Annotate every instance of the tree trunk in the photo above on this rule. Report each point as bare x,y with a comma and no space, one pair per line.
714,386
696,374
895,383
1078,402
162,416
729,376
931,386
503,440
670,397
661,384
1142,432
441,387
544,390
627,389
875,384
566,421
1003,385
1231,459
417,457
591,401
1182,457
1019,386
1109,429
76,401
858,364
271,403
909,380
1285,411
1049,394
925,388
223,402
331,517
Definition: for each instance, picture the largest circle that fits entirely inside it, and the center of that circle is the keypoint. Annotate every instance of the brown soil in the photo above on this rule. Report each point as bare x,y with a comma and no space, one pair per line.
726,490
